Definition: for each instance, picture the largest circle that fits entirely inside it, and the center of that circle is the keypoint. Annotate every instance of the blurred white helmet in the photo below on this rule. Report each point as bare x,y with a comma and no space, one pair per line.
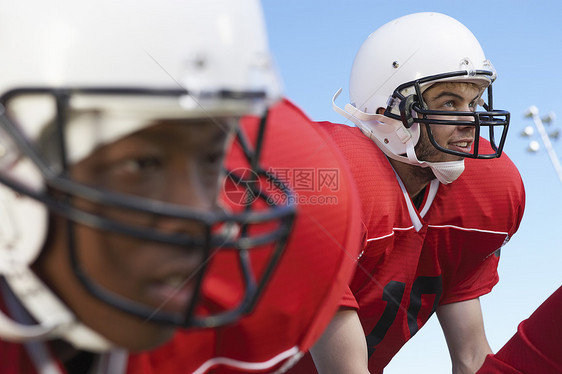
397,63
131,60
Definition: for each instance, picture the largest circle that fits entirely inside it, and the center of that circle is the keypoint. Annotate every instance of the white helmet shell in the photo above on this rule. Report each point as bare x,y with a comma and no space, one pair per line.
412,47
203,46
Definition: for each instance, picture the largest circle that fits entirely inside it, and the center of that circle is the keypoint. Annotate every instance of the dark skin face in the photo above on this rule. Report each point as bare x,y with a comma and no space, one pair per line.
171,161
449,96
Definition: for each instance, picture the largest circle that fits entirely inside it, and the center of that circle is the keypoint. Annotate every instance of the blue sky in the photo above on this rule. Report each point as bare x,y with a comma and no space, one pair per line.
314,43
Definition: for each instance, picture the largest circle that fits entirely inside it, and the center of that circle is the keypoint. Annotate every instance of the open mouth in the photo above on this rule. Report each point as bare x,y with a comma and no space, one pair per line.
172,286
171,294
461,146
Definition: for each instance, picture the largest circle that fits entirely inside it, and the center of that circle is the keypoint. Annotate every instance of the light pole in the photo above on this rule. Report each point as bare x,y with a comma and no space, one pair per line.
533,112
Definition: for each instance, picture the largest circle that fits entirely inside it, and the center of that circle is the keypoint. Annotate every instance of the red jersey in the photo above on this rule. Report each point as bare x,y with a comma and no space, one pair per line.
536,347
414,259
306,287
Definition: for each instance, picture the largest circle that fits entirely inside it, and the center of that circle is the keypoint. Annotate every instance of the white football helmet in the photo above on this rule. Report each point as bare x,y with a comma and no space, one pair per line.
392,69
134,59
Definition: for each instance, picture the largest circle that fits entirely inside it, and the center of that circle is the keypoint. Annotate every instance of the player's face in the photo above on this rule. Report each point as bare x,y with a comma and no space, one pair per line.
171,161
453,97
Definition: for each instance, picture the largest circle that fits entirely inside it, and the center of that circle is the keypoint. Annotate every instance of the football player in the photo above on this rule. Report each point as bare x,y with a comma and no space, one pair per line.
438,199
116,231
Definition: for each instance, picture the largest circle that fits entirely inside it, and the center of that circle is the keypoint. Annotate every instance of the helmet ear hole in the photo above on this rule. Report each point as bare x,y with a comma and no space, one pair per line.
405,107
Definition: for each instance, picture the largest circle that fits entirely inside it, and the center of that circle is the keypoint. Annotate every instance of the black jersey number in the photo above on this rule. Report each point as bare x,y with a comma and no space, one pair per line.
393,293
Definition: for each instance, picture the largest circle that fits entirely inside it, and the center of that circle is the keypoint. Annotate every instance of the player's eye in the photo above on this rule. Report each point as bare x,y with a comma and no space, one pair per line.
141,164
449,104
137,166
214,158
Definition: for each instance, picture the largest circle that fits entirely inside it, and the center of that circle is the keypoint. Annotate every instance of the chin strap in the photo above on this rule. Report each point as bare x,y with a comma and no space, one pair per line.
54,320
446,172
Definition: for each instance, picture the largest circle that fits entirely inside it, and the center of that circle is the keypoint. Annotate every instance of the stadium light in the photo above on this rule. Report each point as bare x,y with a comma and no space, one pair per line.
533,113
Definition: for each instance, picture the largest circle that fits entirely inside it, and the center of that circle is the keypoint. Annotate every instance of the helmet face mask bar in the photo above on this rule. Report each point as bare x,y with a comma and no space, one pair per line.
413,109
61,192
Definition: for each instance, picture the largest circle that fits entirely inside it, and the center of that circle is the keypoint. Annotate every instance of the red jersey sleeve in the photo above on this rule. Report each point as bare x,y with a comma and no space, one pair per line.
535,348
479,283
348,300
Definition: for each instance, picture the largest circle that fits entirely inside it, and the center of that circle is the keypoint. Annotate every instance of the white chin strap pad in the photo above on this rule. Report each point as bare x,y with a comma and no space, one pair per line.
446,172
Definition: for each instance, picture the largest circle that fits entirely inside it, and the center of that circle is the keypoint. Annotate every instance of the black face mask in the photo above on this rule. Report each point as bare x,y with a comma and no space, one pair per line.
259,224
413,109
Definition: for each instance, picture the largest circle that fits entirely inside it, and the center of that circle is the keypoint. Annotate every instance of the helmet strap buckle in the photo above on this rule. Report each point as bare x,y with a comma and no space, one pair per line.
405,107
